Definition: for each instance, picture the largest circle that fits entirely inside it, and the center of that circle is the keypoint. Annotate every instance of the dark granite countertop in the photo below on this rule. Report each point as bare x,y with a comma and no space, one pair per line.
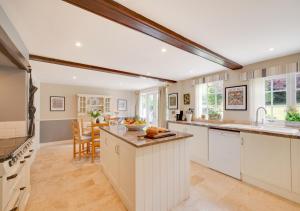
273,130
131,137
9,146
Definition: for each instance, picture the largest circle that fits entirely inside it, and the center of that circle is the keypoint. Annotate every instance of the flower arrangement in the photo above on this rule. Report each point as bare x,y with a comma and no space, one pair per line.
95,114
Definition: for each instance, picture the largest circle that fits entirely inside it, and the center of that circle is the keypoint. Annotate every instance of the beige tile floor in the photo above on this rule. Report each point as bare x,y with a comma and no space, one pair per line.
60,183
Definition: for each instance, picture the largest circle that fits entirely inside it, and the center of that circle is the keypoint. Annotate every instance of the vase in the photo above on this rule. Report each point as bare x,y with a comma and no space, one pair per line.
189,117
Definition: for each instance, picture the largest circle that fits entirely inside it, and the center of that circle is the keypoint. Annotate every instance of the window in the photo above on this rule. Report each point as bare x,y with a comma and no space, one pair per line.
276,97
149,107
211,98
298,89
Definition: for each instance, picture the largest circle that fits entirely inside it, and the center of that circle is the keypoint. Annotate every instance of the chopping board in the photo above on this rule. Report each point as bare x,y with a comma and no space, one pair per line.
161,135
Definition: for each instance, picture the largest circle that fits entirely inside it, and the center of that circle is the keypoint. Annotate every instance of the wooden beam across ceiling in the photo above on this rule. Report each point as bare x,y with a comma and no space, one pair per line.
93,67
10,50
118,13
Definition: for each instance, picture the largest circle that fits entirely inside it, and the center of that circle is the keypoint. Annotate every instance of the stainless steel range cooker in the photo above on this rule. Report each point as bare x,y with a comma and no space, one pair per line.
15,161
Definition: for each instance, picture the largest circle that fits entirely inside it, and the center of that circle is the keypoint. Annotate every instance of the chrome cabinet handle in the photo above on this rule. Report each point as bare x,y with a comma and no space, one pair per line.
28,156
12,176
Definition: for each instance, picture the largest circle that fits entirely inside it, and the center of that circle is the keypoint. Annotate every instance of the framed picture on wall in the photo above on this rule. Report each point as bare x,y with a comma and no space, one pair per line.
186,99
57,103
236,98
173,101
122,104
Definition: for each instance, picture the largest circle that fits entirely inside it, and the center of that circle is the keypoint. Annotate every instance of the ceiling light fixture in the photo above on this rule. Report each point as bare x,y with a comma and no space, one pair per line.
74,77
78,44
163,50
271,49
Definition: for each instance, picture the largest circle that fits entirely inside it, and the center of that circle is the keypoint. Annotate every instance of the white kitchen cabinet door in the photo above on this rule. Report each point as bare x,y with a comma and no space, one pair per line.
127,172
104,149
177,127
267,159
113,160
198,144
295,165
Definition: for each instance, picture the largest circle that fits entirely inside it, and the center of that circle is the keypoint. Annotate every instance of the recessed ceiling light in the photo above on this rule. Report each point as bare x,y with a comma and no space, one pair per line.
74,77
271,49
78,44
191,71
163,50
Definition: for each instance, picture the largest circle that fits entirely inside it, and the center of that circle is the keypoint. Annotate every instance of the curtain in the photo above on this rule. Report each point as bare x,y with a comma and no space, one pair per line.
256,96
162,107
137,104
270,71
220,76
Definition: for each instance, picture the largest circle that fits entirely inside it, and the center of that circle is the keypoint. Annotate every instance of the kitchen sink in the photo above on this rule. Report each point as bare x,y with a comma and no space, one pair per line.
267,128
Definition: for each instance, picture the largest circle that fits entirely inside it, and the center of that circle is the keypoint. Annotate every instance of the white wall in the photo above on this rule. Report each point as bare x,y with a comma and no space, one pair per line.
70,92
187,86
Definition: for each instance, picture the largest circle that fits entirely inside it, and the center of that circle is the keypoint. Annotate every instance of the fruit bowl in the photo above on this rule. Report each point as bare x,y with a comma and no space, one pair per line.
134,127
134,124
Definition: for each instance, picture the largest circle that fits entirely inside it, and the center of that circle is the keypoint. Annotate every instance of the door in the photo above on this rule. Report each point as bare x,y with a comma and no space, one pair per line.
112,160
126,154
149,107
296,165
267,159
198,144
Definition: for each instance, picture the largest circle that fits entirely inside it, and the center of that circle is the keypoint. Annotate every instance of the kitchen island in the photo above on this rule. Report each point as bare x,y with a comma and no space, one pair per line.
148,174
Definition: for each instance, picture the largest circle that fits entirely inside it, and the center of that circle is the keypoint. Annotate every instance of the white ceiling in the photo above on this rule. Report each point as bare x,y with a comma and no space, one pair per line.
51,73
241,30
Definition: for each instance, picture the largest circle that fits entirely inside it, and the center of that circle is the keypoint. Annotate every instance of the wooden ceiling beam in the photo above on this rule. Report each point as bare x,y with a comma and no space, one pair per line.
93,67
10,50
118,13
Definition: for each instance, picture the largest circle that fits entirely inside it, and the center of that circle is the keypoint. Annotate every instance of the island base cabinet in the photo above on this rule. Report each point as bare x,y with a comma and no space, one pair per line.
266,159
162,176
296,166
153,177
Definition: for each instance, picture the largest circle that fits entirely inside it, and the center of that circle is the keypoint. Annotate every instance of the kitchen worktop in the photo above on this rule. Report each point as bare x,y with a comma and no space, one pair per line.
266,129
9,146
131,137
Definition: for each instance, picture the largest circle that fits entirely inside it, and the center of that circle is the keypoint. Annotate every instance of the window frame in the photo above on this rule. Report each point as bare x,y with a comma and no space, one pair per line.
204,104
289,90
296,89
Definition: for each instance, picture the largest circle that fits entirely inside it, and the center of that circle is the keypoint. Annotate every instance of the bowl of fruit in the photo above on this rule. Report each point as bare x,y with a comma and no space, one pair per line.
134,124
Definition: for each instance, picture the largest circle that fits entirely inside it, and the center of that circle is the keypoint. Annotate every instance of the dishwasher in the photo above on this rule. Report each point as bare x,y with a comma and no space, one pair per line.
224,152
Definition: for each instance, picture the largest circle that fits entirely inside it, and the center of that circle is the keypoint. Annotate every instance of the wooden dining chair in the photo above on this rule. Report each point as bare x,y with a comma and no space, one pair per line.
80,140
95,134
86,131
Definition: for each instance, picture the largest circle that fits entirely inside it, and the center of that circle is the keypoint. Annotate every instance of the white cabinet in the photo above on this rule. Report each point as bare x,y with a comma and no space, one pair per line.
199,141
266,159
154,177
118,163
177,127
199,144
87,103
295,165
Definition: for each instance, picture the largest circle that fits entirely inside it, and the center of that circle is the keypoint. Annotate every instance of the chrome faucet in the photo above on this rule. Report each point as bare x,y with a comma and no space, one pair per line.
257,110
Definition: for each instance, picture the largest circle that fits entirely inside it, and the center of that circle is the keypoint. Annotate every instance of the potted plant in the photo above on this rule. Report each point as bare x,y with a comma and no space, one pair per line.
95,116
292,117
214,115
